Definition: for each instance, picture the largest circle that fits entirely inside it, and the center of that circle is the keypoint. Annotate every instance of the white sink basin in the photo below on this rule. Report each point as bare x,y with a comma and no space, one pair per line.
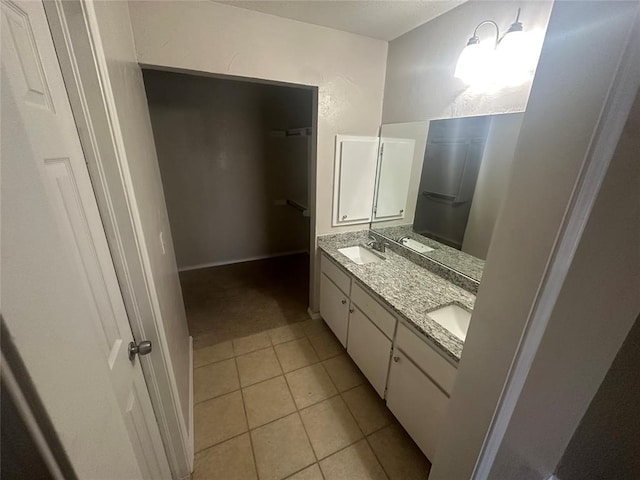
453,318
360,255
416,246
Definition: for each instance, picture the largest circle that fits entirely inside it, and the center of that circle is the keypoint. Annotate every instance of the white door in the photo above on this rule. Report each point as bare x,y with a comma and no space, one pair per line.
369,348
60,296
394,176
418,404
354,179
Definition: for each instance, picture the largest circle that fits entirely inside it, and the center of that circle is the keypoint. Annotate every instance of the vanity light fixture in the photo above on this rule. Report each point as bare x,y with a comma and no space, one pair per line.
479,61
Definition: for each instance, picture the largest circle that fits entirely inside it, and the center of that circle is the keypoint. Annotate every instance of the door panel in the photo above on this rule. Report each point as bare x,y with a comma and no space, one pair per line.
355,172
334,308
394,176
61,299
418,404
369,348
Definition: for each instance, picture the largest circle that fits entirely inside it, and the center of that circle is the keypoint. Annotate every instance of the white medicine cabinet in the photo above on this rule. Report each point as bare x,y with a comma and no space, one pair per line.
371,178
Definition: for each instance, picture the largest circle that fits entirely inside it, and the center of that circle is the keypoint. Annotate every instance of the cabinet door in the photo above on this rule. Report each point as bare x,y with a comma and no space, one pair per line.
354,182
369,348
418,404
334,308
394,175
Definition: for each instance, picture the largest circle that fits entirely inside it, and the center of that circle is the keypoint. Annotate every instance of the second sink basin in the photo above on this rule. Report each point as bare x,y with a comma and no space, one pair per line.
453,318
360,255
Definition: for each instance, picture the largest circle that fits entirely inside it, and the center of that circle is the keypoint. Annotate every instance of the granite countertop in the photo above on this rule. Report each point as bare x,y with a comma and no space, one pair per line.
460,261
408,289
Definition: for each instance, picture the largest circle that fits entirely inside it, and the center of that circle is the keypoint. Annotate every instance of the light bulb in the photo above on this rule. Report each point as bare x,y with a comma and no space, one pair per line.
475,63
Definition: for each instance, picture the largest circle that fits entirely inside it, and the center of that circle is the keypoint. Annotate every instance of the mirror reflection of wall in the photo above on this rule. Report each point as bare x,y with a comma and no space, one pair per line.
455,185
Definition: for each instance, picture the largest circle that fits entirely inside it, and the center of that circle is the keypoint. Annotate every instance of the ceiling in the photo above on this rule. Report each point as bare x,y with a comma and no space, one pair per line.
382,19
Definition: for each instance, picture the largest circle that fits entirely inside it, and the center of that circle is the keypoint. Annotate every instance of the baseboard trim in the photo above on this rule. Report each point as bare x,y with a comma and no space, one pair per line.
240,260
313,315
191,458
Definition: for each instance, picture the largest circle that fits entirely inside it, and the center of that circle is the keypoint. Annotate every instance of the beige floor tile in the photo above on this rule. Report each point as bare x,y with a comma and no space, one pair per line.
218,420
356,462
330,426
286,333
251,343
231,460
212,354
326,345
257,366
311,327
267,401
296,354
309,473
214,380
310,385
399,455
343,372
368,408
281,448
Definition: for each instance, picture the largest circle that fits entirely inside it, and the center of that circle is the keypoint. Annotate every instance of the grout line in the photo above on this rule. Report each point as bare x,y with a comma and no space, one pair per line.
220,443
246,419
299,416
366,439
216,397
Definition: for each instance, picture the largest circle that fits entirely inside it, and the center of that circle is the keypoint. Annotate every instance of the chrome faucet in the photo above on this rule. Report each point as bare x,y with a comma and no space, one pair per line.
377,245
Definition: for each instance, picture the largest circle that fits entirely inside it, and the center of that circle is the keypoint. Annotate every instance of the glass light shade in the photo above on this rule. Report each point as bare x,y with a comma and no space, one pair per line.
516,58
475,63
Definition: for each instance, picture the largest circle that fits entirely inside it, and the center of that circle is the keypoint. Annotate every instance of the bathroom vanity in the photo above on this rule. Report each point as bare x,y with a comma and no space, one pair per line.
399,296
385,311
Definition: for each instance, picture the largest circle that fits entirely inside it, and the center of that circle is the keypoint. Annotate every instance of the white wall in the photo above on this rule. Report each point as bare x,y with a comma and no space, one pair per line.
492,183
209,37
567,96
419,81
221,171
133,115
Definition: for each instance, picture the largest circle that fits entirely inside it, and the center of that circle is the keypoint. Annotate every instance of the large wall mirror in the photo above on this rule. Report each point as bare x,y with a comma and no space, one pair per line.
440,185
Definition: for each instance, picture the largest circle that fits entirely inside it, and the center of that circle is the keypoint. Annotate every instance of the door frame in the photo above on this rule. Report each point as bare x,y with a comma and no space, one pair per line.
80,54
312,164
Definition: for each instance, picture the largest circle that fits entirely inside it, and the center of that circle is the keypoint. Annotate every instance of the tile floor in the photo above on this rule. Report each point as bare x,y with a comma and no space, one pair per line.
232,301
288,403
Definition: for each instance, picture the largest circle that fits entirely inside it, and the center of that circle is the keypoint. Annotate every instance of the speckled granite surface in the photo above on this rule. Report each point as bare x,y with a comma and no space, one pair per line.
453,276
466,264
408,289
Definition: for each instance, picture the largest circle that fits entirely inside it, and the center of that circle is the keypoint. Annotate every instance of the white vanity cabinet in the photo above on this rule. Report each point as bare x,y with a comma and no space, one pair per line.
403,367
420,381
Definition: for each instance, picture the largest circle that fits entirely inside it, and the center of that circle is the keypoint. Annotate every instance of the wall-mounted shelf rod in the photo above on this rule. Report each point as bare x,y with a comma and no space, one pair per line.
301,208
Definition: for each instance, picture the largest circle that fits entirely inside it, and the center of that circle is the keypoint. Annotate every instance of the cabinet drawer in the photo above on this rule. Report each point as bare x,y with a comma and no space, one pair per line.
337,276
372,309
424,355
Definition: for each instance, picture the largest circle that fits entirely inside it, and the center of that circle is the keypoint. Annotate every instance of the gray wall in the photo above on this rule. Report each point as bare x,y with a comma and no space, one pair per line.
549,157
606,443
222,172
419,81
